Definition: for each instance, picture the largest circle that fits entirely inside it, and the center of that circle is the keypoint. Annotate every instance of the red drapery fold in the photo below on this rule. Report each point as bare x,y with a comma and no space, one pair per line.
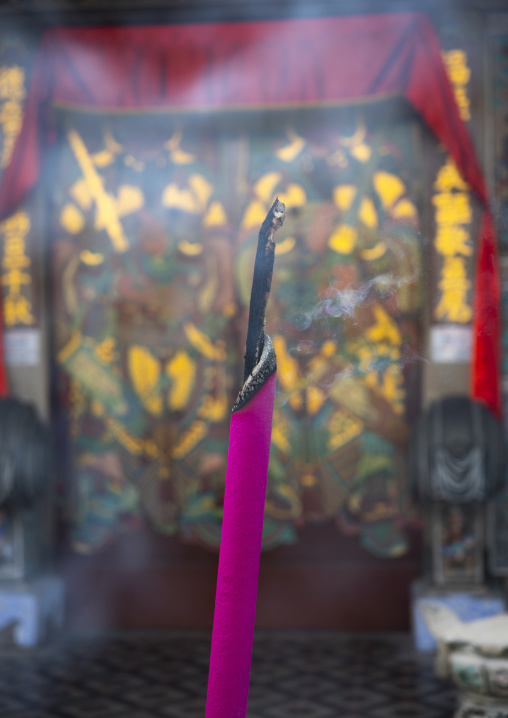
4,384
486,319
261,65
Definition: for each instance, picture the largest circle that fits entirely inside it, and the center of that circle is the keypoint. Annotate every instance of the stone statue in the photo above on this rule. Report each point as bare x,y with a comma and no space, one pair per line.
457,452
456,460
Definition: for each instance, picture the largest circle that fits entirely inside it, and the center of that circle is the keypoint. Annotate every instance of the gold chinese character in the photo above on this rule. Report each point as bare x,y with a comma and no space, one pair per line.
10,108
453,271
12,83
449,178
455,285
452,307
16,262
451,240
463,103
455,57
11,125
459,74
14,246
452,208
7,150
14,279
17,310
16,223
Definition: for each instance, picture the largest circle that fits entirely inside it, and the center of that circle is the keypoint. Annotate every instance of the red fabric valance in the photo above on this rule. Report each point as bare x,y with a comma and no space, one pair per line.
265,64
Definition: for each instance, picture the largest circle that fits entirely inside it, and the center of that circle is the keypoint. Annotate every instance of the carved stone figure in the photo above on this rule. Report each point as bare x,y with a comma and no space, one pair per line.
457,452
456,465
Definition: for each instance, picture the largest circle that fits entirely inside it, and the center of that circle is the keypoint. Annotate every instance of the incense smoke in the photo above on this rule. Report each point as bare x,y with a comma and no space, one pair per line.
343,303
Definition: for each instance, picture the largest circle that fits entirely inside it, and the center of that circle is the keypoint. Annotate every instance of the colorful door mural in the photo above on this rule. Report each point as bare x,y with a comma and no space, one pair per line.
154,228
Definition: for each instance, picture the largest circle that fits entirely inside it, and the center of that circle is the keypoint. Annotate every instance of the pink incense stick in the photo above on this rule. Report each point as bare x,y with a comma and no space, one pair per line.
244,501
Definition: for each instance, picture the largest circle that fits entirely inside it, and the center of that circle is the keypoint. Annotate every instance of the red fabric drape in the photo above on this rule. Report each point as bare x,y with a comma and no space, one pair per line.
4,384
486,319
265,64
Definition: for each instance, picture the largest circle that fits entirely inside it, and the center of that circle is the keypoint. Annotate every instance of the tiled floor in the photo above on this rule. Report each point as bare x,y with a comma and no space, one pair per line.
294,675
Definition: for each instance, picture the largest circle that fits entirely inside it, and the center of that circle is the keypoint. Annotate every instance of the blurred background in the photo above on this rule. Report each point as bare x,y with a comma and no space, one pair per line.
141,146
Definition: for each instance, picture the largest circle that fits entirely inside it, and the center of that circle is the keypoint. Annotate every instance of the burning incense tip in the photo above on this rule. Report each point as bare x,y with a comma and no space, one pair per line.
279,213
261,285
274,219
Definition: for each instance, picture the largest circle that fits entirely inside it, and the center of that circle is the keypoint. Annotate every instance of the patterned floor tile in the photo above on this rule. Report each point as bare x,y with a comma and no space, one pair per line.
113,685
92,707
10,705
404,709
153,696
299,709
444,699
194,708
261,698
307,686
164,675
359,699
268,674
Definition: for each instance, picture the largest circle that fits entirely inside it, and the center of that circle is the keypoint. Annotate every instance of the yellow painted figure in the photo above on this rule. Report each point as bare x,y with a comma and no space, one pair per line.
156,233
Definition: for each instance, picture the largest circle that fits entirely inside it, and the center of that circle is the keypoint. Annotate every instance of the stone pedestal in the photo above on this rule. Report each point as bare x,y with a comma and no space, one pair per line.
475,655
468,603
470,708
31,611
483,684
